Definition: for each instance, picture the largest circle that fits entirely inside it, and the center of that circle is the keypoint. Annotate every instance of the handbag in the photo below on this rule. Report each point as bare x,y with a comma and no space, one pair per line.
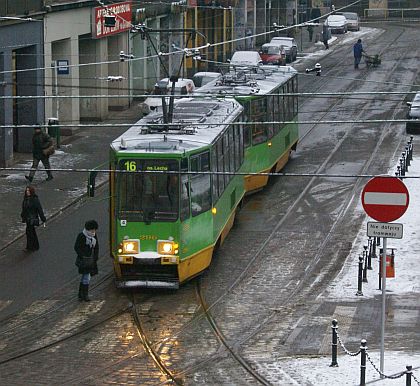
50,150
34,222
87,263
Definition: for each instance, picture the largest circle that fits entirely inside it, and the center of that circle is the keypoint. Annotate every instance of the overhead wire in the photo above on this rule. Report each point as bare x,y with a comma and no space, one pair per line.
176,52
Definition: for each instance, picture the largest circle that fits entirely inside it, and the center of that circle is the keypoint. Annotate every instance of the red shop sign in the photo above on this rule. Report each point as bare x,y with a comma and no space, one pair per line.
122,13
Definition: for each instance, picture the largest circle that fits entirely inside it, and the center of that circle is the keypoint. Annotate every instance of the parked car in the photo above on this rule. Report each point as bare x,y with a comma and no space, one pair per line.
246,59
337,24
413,126
352,20
183,87
273,54
289,45
202,78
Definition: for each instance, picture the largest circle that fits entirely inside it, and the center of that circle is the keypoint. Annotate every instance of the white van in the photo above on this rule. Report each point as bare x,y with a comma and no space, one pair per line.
183,88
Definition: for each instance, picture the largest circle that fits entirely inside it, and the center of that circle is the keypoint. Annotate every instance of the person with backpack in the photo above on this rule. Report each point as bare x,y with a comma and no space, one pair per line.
42,148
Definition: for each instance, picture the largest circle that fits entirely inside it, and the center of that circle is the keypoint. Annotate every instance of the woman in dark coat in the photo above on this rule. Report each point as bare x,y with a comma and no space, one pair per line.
87,249
31,213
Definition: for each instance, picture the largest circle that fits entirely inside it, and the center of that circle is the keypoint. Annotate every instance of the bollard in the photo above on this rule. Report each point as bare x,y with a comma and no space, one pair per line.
408,159
398,172
408,374
359,277
410,144
374,248
364,255
363,349
370,253
334,344
404,158
369,261
402,167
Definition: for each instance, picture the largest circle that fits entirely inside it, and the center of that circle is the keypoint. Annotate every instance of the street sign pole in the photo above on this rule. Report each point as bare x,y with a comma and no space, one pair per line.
385,199
383,308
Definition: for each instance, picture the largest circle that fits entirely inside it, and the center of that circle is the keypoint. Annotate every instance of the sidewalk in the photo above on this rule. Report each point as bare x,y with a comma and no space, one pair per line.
86,149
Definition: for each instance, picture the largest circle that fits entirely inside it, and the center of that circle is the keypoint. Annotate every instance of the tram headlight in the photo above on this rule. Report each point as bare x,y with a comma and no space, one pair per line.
167,247
130,246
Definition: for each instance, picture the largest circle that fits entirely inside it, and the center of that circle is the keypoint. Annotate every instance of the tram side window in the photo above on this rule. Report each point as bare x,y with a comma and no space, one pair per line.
258,114
289,104
232,150
200,183
185,192
295,90
238,147
214,179
270,116
284,105
220,169
247,128
276,111
226,156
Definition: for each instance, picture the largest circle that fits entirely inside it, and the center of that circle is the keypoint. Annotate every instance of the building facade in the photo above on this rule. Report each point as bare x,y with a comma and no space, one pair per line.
21,63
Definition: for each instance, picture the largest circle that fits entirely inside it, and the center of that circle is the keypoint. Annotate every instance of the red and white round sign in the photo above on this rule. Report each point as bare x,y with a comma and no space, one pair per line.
385,199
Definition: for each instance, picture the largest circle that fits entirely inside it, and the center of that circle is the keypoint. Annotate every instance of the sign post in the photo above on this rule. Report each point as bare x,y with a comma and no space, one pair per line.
385,199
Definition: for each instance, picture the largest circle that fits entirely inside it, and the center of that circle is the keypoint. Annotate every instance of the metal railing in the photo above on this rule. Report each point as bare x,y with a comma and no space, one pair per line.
402,14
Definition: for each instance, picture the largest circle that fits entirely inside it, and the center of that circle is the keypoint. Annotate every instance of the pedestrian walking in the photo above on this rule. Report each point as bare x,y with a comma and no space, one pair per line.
358,51
325,36
87,249
31,214
42,148
310,31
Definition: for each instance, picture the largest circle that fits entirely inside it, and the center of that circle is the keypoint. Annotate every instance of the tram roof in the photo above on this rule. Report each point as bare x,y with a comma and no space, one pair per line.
249,82
196,123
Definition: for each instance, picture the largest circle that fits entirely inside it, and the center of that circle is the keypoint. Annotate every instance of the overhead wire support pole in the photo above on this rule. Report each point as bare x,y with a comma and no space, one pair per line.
167,116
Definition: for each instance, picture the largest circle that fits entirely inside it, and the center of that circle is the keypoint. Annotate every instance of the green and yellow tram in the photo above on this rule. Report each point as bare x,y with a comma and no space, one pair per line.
265,96
174,191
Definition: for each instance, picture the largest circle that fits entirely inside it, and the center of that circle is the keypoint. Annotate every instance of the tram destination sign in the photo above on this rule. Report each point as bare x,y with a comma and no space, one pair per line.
385,229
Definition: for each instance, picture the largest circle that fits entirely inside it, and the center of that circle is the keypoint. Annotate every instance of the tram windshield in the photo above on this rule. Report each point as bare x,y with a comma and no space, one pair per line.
147,196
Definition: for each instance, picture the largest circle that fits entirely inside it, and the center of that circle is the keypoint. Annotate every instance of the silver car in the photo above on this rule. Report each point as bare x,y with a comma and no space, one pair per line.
353,20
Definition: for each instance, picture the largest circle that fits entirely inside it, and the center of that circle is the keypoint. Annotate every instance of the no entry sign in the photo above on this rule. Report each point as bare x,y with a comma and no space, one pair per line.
385,199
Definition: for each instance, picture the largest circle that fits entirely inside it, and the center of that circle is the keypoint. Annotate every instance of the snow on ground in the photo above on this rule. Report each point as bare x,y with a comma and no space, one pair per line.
316,371
349,37
407,254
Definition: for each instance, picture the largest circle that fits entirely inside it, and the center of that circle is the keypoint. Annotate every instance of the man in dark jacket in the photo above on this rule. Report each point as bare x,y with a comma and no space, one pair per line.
40,142
357,51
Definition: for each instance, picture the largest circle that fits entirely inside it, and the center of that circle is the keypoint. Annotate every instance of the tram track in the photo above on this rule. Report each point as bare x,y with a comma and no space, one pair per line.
314,262
159,348
56,342
238,343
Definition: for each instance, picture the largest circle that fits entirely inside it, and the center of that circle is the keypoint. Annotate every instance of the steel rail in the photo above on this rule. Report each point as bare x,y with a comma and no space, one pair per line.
218,333
149,348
